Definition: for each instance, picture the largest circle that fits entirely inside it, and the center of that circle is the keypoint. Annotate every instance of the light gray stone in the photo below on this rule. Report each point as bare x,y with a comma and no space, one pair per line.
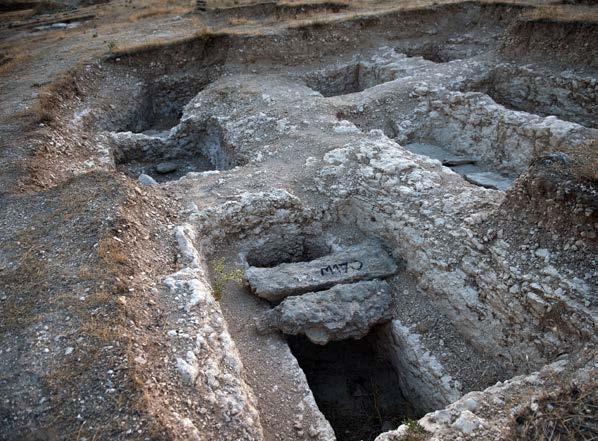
166,167
344,311
146,180
489,180
467,422
361,262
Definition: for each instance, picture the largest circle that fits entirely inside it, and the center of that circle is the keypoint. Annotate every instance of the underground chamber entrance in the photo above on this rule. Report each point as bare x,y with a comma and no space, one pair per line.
354,385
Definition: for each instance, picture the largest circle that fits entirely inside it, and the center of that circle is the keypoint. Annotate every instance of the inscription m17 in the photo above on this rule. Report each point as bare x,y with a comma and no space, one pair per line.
341,268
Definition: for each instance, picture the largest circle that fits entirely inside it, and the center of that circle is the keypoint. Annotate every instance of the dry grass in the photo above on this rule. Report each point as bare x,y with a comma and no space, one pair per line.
158,43
562,13
22,14
314,2
110,250
101,329
568,415
233,3
9,63
51,97
238,21
155,12
585,161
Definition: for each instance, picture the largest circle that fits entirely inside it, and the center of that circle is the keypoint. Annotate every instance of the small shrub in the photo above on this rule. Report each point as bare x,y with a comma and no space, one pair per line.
222,277
415,432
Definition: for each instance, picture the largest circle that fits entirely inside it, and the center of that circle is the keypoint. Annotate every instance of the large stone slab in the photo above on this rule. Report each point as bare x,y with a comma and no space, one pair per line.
344,311
360,262
447,158
489,180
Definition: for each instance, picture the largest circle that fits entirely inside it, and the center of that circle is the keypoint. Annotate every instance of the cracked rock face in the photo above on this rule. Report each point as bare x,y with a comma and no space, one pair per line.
344,311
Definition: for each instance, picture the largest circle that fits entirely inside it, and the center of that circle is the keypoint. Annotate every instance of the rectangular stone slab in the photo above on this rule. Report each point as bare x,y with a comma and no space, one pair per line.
360,262
489,180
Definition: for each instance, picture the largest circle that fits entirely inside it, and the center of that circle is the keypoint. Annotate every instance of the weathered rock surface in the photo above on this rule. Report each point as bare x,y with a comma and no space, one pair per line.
423,378
344,311
146,180
207,360
473,124
567,95
384,185
360,262
166,167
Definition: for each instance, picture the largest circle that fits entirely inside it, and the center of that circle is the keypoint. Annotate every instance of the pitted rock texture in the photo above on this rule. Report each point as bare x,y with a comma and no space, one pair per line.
360,262
250,214
211,364
344,311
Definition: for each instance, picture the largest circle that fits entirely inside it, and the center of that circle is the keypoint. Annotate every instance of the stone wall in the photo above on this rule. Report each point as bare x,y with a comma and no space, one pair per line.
569,96
498,295
473,124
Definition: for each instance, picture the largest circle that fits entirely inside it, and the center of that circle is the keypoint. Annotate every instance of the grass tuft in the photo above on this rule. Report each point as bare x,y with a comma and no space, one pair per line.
415,432
222,277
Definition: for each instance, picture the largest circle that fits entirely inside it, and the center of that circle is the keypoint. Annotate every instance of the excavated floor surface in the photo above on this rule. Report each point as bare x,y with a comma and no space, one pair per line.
473,169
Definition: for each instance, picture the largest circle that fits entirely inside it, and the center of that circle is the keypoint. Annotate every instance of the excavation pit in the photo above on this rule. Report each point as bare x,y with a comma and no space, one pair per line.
342,80
161,102
167,170
355,386
568,96
168,155
386,65
465,165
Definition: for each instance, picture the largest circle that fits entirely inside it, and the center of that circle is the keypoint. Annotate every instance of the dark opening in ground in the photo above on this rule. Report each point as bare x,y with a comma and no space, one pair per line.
163,99
285,245
355,386
338,81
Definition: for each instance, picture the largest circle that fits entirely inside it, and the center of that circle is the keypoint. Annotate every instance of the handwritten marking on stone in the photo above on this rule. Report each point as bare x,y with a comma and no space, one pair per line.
341,268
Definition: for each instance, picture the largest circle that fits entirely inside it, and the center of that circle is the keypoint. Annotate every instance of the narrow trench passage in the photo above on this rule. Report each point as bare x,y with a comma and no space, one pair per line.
355,387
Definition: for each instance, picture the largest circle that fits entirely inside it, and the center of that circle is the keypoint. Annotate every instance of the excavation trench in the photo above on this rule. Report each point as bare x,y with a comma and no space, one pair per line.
161,100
